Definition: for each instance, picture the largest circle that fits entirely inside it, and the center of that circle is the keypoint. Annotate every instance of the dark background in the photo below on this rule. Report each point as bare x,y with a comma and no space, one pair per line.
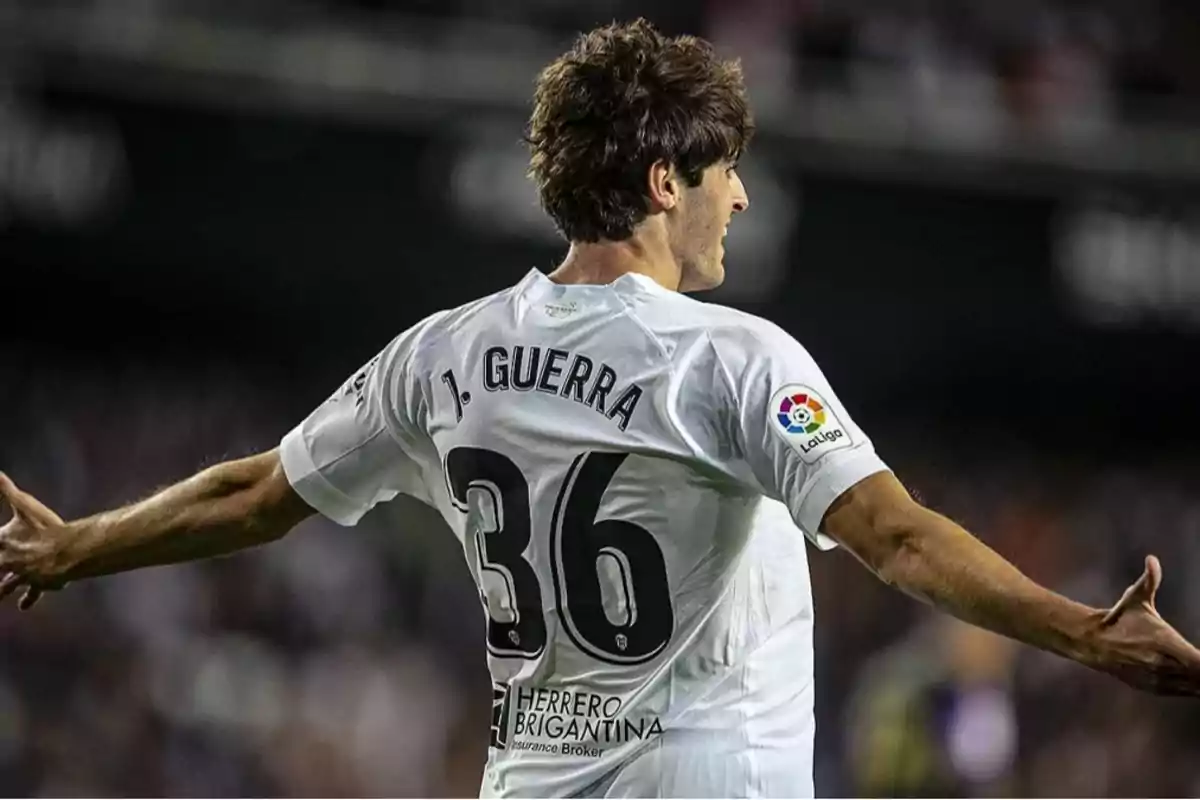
982,224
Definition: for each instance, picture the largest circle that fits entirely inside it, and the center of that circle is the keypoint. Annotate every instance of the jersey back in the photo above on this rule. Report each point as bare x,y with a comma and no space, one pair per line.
628,471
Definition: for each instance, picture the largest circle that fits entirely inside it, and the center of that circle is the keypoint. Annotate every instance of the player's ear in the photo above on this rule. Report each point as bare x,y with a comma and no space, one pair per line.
663,186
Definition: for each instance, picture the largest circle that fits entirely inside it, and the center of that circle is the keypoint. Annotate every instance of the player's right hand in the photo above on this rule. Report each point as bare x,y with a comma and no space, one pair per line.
29,546
1140,648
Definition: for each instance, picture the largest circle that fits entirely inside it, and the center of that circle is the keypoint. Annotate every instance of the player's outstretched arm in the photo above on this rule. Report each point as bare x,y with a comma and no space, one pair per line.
931,558
222,509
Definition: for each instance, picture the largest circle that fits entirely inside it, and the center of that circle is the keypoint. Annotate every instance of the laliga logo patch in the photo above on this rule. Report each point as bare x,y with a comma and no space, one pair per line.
801,417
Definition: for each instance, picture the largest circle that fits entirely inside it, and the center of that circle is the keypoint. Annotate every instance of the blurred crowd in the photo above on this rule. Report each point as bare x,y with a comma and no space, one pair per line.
347,662
973,70
342,662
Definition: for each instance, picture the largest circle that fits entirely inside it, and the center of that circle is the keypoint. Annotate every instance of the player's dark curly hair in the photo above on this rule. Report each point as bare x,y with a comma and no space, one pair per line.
623,98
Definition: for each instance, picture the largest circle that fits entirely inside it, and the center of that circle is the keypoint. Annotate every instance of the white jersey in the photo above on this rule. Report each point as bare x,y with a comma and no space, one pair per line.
628,470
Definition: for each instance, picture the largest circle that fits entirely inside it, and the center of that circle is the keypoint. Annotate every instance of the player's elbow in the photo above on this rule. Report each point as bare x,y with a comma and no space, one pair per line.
879,522
255,495
898,551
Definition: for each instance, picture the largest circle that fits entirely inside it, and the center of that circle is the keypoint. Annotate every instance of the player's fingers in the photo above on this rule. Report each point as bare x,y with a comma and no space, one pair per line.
1141,591
9,584
1194,677
31,596
41,514
31,508
1184,676
1153,579
1119,607
25,505
8,490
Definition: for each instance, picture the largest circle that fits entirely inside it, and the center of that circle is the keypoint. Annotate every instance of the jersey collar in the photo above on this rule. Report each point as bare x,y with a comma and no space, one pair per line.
535,285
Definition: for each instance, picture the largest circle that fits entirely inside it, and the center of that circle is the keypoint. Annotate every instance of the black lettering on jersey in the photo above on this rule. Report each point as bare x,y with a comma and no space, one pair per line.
523,379
523,368
550,369
600,389
581,370
495,369
625,405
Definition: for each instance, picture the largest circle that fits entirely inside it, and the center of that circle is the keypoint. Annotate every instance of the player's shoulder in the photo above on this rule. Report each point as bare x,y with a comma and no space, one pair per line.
731,331
440,325
412,350
452,319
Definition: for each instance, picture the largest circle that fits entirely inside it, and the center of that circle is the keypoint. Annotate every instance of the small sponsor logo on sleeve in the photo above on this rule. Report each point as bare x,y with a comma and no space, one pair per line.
802,418
356,386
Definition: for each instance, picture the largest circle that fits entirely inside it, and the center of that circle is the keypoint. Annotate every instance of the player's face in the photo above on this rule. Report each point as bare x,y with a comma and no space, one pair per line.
708,208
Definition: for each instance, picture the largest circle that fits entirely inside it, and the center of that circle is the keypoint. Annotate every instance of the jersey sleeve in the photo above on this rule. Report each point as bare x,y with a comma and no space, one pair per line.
360,447
794,434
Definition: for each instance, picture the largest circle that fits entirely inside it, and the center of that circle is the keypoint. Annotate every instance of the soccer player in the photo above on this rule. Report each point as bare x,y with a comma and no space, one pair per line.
631,472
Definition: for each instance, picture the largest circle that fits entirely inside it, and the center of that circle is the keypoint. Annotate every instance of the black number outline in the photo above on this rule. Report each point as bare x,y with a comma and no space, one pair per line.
495,629
567,498
566,501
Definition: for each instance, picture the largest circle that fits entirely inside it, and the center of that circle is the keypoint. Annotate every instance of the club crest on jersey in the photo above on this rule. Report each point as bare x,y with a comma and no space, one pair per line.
806,423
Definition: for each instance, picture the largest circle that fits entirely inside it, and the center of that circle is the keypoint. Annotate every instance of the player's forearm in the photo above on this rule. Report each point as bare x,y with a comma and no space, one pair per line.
935,560
225,508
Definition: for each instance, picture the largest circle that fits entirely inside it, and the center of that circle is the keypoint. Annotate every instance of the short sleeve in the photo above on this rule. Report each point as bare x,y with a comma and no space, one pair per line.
789,426
359,448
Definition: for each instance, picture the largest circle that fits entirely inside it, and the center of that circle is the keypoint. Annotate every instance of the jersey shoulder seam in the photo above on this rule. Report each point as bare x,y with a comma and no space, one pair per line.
673,371
641,323
724,368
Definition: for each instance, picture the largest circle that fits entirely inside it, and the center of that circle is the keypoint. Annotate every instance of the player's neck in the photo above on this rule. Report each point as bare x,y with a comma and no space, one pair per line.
603,262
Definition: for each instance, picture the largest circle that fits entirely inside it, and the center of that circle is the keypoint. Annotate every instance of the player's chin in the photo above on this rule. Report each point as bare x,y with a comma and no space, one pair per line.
701,276
714,276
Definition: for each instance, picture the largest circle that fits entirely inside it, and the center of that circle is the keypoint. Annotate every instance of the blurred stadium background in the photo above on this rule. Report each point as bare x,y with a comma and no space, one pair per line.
982,218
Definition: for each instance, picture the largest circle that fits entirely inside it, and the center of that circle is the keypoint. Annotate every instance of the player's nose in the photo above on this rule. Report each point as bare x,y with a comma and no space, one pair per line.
741,201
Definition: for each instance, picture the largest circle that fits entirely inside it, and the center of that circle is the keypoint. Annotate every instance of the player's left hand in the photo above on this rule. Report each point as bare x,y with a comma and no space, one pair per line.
1140,648
30,544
